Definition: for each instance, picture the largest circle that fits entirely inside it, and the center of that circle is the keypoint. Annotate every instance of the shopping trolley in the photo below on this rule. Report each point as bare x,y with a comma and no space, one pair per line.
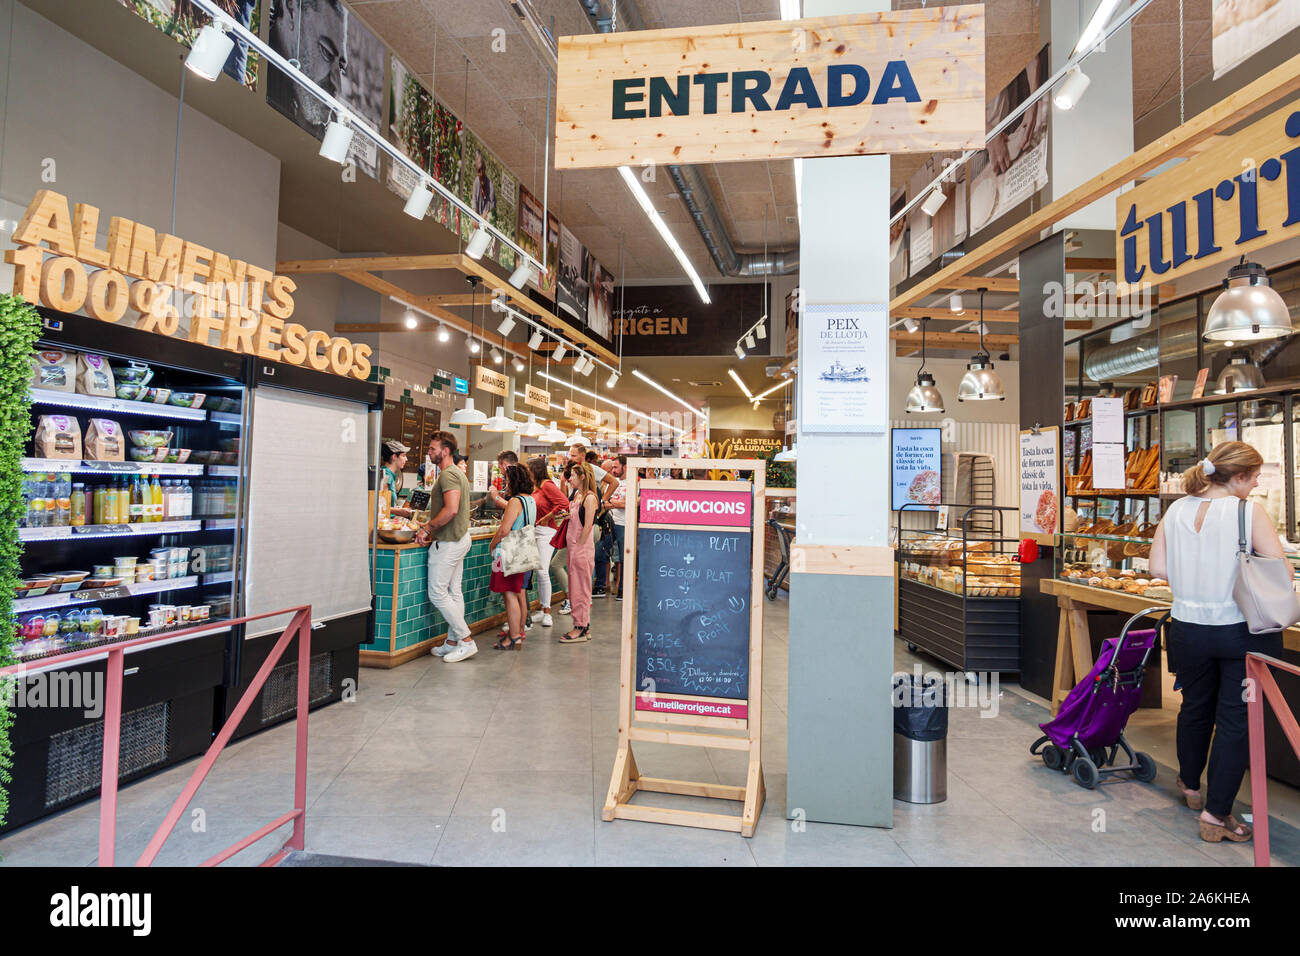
783,538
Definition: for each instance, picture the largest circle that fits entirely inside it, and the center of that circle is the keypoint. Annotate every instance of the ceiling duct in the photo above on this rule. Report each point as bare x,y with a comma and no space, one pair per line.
1146,351
694,191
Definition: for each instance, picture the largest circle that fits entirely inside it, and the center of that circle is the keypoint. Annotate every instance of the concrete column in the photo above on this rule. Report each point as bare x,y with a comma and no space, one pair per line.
840,752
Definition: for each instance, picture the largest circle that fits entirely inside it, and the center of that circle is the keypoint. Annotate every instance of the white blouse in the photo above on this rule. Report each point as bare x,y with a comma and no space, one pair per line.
1202,565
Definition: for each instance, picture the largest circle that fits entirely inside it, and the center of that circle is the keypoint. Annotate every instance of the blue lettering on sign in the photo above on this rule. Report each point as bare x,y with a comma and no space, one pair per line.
847,84
1242,189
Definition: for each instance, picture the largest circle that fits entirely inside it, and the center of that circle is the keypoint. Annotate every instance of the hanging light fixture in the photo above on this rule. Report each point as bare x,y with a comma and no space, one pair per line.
507,325
532,428
552,435
934,202
497,357
740,352
208,56
750,343
337,141
522,275
443,334
469,415
924,397
478,242
409,320
535,341
980,383
1071,89
788,455
1249,308
417,204
559,352
499,422
761,332
1241,374
577,438
612,381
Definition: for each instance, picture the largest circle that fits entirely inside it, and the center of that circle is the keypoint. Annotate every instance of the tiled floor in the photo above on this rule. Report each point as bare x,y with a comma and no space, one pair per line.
505,759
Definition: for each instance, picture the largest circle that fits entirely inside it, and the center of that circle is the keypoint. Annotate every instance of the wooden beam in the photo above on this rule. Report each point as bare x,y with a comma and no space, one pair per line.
367,264
458,298
992,283
944,314
1089,265
942,340
1272,87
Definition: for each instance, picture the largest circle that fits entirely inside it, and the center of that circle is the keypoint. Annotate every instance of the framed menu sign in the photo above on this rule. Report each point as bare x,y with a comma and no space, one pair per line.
1040,492
692,632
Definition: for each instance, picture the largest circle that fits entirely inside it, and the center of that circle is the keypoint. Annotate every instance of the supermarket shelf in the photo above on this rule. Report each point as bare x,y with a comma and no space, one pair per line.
144,528
220,577
220,524
223,471
225,418
1129,413
1153,493
104,594
83,467
32,662
118,406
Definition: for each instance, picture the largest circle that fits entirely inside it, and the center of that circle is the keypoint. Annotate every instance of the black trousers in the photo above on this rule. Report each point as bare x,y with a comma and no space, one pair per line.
1211,662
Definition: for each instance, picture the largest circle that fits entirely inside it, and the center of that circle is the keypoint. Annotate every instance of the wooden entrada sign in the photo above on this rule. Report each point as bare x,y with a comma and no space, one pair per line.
490,381
901,81
1228,201
536,397
581,414
230,304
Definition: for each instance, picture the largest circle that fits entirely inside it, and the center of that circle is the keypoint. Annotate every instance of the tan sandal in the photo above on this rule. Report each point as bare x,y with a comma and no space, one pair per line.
1195,799
1227,830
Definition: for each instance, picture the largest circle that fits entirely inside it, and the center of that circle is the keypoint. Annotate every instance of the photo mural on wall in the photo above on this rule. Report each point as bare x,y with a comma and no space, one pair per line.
342,57
571,291
410,128
182,21
529,235
492,192
600,298
550,280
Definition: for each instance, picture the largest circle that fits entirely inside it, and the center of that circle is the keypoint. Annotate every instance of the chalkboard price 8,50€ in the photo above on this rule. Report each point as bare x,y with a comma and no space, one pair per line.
693,613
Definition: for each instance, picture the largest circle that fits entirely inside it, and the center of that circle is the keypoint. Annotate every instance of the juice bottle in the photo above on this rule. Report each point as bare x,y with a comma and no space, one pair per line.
155,500
113,503
98,509
137,501
62,494
78,505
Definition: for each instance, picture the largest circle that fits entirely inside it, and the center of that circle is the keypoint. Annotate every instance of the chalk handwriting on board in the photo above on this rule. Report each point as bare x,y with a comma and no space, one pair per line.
693,612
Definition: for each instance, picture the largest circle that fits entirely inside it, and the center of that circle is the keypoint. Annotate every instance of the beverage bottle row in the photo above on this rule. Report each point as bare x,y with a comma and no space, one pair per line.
52,500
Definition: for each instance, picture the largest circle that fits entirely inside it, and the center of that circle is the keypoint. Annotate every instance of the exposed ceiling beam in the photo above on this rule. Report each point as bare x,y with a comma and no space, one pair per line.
1273,86
1089,265
941,313
953,339
991,283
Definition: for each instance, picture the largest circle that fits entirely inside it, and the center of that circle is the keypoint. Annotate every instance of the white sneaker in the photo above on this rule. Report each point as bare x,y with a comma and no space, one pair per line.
566,608
544,612
466,648
546,620
443,649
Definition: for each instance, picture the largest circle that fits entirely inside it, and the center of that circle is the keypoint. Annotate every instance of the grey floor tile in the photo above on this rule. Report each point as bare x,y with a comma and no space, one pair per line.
388,836
508,840
399,793
633,843
779,842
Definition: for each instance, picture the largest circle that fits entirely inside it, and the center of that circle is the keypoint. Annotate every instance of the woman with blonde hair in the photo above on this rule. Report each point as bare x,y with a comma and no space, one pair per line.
1195,548
581,547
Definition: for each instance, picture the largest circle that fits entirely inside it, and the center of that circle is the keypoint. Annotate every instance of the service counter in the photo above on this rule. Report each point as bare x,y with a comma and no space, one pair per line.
406,624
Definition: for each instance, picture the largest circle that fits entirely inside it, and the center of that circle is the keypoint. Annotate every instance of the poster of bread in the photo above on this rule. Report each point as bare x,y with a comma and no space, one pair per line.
1040,494
917,470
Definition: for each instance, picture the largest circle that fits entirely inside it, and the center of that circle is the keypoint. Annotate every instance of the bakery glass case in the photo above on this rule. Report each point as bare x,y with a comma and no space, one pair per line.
959,588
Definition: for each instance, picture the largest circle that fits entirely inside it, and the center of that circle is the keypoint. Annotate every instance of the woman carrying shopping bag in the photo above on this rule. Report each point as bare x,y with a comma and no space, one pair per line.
581,548
514,554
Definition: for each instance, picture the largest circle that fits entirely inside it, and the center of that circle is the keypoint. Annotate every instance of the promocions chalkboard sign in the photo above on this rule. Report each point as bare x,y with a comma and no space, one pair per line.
692,649
693,591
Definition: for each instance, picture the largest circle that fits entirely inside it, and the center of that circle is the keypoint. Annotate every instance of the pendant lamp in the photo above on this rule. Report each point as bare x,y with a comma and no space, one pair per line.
533,428
1241,374
981,383
577,438
1248,308
552,435
469,415
924,398
499,422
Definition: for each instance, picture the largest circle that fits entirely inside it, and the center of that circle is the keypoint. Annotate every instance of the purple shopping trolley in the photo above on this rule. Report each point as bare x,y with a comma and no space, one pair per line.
1087,733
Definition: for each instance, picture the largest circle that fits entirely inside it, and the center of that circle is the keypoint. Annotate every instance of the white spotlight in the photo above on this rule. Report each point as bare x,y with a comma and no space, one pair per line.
1071,89
474,347
559,352
208,56
740,352
496,356
934,201
478,242
750,343
522,275
519,364
410,321
911,325
762,328
417,204
954,303
507,325
613,380
443,334
337,141
535,341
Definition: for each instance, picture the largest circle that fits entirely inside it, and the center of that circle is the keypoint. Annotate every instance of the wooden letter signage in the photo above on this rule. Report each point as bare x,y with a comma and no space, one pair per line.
907,80
581,414
692,641
490,381
1226,202
536,397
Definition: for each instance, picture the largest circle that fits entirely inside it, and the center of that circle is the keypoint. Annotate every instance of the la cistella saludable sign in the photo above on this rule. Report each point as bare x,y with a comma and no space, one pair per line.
892,82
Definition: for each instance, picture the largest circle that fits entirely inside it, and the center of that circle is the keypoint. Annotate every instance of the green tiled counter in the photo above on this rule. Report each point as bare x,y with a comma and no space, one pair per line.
406,624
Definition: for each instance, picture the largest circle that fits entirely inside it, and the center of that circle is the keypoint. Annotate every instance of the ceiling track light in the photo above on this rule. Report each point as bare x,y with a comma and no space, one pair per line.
207,58
507,326
535,341
409,320
740,351
559,351
522,275
609,401
612,381
417,204
761,331
499,303
911,325
497,357
1071,90
443,334
934,202
478,242
750,342
337,140
954,303
474,347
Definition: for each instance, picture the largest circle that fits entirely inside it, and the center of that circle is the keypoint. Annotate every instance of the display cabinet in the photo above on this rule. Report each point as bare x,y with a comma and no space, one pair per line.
959,588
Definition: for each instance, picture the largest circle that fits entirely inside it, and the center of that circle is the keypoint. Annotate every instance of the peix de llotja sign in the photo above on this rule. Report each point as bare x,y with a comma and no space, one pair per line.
1229,200
144,279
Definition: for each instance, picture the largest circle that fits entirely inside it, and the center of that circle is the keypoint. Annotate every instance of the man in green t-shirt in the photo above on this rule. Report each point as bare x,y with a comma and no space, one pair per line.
448,530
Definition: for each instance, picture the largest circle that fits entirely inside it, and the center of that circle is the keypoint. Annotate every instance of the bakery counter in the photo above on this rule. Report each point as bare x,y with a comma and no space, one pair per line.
407,626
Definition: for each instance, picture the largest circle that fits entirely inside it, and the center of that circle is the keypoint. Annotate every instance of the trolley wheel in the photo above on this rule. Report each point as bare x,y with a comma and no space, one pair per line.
1085,773
771,594
1098,755
1146,767
1053,757
911,647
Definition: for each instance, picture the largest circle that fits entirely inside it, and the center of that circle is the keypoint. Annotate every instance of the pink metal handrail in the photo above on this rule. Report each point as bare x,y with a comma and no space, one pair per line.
300,624
1260,678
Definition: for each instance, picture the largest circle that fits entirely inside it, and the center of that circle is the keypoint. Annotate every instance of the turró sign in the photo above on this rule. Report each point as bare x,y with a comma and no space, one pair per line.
150,280
900,81
1228,201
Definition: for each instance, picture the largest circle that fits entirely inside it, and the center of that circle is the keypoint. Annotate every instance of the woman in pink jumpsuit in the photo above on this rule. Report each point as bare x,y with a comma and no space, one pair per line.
581,549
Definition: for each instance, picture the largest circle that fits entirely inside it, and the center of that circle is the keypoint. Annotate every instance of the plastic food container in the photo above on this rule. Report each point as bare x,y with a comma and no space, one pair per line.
187,399
131,393
133,374
103,570
150,438
158,396
125,561
71,580
36,586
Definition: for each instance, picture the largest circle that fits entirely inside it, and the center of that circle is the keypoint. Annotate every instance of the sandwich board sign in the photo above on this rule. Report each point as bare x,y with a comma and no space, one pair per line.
692,635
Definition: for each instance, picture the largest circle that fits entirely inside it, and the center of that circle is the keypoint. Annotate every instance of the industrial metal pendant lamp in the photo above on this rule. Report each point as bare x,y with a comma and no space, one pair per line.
1249,308
924,398
981,383
1241,374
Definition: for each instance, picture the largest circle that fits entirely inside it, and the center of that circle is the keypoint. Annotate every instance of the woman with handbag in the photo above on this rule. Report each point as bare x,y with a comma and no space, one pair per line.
517,525
552,508
581,548
1196,548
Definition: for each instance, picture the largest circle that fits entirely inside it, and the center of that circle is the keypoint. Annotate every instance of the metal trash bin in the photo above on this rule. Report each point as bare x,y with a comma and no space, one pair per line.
920,740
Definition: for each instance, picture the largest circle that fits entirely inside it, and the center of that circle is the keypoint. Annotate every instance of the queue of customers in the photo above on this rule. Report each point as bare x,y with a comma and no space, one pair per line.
578,521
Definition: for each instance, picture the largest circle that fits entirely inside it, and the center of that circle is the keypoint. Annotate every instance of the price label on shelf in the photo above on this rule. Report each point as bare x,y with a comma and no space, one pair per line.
102,594
127,467
98,529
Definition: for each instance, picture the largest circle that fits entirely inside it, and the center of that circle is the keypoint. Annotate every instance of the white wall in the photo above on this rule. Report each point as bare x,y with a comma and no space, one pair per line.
107,137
